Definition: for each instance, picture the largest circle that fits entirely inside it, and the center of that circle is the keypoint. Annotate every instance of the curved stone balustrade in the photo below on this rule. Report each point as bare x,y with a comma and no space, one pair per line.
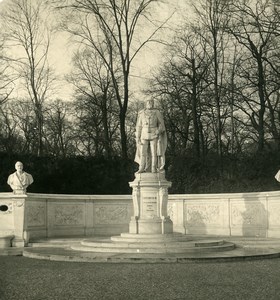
34,216
232,214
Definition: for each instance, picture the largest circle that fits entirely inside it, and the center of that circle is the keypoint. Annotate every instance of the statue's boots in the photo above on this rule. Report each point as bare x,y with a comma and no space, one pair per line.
142,165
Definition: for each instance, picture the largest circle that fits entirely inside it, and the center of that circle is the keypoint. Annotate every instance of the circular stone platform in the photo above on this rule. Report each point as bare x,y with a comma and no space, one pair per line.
153,243
199,249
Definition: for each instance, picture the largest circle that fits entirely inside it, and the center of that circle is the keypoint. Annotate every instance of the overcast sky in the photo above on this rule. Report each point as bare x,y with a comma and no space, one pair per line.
61,50
148,58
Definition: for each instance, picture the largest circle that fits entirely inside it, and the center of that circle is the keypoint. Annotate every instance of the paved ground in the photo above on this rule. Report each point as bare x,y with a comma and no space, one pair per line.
24,278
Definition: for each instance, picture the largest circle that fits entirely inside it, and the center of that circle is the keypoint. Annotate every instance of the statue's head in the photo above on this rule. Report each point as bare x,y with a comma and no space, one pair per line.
19,166
150,104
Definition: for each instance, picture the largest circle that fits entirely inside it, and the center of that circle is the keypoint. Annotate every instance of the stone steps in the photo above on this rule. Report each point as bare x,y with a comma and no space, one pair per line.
199,249
149,246
55,242
147,238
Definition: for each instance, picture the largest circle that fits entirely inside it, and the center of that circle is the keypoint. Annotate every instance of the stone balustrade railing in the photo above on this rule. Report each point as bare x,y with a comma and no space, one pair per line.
32,216
235,214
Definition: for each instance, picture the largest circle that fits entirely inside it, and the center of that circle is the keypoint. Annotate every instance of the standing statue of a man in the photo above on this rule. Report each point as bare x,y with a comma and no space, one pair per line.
19,180
151,139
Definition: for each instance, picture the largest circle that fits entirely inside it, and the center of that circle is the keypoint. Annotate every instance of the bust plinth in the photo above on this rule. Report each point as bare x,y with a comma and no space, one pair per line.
150,197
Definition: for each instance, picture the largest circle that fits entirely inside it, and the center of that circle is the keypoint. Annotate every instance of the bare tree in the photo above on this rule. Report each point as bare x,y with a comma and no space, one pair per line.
234,65
92,81
6,78
182,82
59,133
255,26
26,30
9,137
193,66
168,87
212,22
20,112
89,130
113,29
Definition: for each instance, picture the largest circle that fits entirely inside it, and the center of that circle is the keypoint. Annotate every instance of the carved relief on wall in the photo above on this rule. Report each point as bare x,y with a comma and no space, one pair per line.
111,214
207,214
251,213
67,214
274,214
36,215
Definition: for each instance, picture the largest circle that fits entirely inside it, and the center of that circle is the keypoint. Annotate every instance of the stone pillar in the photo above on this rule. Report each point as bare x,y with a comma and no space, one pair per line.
21,235
150,197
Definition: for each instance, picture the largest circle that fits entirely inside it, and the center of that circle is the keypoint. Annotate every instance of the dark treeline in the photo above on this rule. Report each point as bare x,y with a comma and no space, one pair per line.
99,175
217,83
73,175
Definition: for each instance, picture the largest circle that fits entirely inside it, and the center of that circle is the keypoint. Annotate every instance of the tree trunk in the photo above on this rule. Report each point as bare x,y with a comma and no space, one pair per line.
196,139
261,83
123,135
106,135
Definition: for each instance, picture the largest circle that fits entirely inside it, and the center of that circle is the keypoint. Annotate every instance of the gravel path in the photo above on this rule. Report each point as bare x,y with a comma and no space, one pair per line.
23,278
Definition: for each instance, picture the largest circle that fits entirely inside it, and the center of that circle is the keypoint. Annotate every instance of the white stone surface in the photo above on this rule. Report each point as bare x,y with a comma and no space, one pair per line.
237,214
48,215
151,139
19,180
150,198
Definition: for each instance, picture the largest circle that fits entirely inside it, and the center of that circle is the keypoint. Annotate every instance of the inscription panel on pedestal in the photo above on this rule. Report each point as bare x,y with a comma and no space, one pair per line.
149,206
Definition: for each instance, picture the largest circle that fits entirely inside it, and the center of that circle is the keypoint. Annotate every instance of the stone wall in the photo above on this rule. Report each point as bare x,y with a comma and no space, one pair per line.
72,215
43,215
242,214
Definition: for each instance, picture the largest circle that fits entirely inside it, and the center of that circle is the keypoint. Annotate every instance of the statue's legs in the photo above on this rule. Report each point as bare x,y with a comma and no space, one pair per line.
143,153
153,145
147,158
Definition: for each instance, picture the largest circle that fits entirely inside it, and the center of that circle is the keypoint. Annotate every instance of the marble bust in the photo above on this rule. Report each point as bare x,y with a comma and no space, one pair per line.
19,180
151,139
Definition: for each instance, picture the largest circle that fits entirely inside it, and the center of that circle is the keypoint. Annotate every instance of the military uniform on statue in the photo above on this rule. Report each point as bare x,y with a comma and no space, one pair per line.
150,188
151,140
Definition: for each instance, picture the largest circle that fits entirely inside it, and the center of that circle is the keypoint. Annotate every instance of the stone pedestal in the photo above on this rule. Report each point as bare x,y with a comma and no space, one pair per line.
21,235
150,197
13,229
